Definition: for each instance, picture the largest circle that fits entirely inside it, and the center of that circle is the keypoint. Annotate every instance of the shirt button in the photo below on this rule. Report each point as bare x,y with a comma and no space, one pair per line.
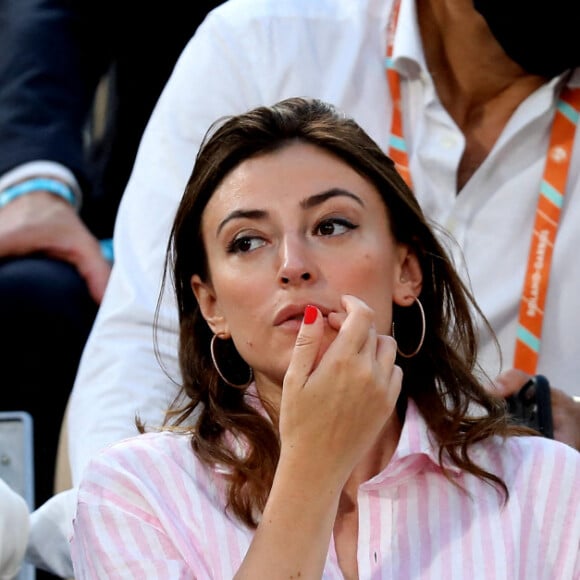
448,142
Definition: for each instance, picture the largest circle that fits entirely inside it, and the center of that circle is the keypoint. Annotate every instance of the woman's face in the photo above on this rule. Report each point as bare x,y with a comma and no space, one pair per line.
288,229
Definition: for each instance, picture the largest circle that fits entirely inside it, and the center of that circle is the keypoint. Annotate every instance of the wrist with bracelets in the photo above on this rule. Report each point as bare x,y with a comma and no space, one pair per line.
53,186
57,188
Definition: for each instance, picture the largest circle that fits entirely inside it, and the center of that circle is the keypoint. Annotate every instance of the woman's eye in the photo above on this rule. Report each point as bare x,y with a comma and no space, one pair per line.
245,244
333,227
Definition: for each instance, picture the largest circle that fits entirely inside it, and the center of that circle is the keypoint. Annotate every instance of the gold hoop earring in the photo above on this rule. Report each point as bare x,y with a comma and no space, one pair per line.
240,386
423,330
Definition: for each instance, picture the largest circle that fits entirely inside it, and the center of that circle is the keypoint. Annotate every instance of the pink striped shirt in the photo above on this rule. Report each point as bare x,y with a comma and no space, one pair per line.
149,509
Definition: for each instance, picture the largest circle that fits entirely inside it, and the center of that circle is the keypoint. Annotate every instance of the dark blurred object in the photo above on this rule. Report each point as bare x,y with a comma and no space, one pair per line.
531,406
78,82
541,38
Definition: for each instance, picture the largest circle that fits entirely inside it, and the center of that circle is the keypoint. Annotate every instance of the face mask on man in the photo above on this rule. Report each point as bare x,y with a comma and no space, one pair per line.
542,37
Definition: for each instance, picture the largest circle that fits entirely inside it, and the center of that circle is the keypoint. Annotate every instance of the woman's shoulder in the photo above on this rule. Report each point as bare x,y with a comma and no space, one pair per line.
142,482
140,470
532,461
137,455
537,449
159,443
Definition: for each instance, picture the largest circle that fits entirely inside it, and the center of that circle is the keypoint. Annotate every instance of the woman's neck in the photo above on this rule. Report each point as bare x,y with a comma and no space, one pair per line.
377,458
270,393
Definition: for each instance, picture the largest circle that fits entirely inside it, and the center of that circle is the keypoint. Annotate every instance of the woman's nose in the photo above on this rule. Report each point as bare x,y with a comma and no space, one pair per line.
296,264
290,277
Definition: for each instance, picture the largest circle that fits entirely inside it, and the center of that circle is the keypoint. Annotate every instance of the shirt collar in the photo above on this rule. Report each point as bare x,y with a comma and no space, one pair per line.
416,451
408,57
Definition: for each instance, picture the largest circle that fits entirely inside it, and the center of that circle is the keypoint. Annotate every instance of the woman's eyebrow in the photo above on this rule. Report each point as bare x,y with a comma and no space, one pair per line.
242,213
307,203
321,197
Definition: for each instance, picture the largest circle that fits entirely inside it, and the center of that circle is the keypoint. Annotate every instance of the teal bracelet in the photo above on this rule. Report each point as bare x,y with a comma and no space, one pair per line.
107,250
38,184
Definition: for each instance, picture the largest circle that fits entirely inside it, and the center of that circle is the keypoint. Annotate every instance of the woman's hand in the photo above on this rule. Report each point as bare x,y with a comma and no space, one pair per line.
333,409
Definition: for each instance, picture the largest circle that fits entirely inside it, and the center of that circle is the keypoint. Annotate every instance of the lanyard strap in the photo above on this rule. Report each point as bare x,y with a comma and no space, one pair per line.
548,211
397,145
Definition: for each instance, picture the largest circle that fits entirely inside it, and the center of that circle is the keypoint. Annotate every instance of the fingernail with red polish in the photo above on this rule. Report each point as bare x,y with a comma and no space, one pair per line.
310,314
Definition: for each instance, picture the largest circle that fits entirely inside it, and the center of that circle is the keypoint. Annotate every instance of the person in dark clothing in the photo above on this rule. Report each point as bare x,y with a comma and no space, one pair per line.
63,168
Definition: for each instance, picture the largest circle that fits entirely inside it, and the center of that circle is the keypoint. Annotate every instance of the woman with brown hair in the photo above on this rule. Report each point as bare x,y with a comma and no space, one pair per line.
331,422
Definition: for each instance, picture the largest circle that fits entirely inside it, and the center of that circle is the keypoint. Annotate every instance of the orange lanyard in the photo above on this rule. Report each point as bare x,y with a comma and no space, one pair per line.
548,211
397,144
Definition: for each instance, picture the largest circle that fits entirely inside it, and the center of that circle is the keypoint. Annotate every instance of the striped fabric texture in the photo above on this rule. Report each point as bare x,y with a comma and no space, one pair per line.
149,510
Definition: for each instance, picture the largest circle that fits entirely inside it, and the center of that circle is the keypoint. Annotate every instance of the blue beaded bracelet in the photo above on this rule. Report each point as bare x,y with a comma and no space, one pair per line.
107,250
38,184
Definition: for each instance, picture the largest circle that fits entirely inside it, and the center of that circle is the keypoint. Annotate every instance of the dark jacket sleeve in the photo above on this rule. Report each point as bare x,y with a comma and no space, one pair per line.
53,53
50,63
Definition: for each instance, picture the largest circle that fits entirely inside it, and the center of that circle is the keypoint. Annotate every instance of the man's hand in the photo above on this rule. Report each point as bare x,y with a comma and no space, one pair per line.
565,411
566,415
42,222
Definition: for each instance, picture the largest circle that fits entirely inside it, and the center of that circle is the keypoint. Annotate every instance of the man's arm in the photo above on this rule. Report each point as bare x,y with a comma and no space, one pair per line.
50,64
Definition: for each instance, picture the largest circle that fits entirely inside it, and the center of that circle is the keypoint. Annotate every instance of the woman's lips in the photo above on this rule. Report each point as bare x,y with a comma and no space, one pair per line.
294,313
291,324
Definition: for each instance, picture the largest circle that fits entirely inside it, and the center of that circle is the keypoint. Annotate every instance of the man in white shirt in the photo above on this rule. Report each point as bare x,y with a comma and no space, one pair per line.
476,126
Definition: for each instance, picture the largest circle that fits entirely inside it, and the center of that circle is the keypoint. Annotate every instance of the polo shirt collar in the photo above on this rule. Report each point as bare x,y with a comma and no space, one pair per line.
408,56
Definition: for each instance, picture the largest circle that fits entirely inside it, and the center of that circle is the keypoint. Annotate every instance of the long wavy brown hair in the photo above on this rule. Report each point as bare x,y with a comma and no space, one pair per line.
442,379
